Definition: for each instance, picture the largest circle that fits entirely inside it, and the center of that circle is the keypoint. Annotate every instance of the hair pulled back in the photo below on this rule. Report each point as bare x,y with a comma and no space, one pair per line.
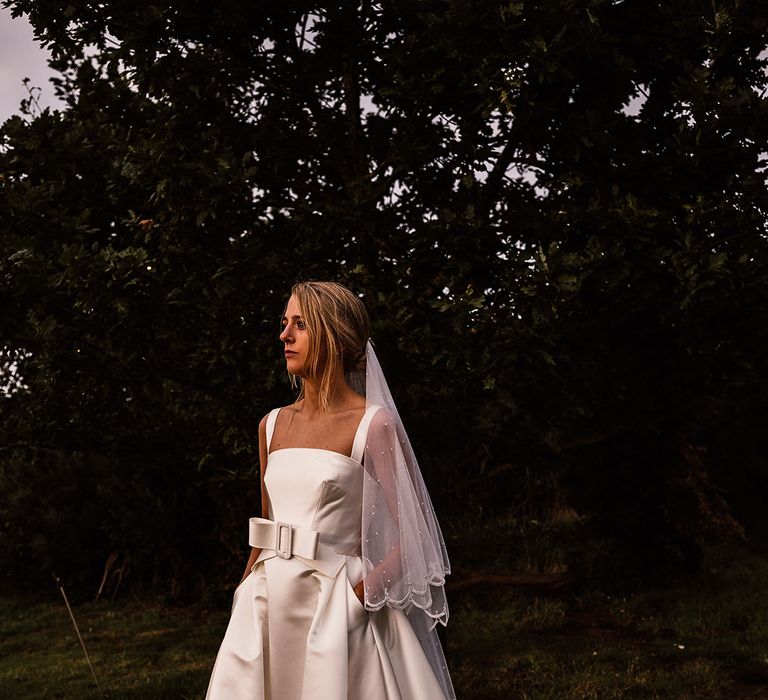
338,328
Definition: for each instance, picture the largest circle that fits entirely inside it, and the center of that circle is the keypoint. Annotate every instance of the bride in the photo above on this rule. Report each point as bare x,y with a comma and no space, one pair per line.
344,584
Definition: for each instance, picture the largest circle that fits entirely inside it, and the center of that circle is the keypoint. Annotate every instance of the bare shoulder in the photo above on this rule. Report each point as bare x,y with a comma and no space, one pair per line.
263,421
383,421
383,414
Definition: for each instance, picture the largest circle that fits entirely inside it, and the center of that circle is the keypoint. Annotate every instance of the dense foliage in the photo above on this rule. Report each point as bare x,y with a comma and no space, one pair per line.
555,212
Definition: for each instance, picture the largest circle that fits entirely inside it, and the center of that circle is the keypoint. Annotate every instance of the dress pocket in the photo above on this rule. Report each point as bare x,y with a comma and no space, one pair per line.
240,585
353,566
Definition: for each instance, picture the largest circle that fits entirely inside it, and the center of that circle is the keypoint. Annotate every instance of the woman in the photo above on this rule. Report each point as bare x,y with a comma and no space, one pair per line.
345,582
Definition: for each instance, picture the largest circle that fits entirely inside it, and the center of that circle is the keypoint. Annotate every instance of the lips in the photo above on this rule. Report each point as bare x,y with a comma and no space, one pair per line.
289,353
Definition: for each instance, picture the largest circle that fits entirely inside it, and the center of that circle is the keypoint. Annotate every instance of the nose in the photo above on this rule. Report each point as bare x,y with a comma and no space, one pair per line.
284,334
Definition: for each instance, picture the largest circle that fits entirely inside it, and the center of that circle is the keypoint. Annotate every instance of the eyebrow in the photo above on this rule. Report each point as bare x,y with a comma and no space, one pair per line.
294,316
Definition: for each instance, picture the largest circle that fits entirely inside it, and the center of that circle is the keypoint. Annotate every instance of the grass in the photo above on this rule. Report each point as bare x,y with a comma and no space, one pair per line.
138,649
705,638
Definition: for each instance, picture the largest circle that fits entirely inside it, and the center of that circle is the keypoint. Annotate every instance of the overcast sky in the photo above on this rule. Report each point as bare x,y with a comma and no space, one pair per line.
21,57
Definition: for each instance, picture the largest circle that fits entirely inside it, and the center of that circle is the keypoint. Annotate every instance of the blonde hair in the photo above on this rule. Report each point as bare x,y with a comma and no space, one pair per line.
338,329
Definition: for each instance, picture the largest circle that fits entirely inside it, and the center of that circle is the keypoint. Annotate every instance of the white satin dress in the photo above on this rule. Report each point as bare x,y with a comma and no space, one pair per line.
297,630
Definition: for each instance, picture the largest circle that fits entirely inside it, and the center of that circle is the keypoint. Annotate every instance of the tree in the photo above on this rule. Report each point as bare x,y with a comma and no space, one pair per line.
568,290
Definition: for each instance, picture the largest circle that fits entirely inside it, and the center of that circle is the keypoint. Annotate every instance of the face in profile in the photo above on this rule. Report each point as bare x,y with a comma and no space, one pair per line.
294,338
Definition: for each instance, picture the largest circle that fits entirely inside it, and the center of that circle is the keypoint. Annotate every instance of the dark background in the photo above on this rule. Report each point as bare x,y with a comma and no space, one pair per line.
555,213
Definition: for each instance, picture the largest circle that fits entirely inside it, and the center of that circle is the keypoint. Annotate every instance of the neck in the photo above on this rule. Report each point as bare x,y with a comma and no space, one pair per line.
339,392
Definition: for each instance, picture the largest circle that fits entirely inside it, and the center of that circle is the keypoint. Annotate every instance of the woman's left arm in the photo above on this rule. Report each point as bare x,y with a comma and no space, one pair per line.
255,551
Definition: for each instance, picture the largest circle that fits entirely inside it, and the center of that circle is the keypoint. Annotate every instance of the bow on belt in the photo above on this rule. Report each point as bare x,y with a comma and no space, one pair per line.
281,539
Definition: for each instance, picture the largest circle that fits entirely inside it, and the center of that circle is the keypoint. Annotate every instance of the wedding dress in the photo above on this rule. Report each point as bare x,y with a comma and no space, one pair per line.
297,629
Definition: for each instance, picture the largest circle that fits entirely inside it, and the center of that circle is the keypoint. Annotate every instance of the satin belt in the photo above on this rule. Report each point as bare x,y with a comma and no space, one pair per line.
281,539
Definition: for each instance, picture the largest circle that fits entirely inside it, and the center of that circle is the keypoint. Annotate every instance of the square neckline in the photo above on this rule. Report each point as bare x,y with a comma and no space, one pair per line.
320,449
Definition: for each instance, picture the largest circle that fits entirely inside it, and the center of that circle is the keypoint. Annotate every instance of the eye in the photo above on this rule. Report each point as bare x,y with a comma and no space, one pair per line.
300,324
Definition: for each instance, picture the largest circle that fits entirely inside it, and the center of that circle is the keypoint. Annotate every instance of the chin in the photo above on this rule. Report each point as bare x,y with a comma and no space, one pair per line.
295,370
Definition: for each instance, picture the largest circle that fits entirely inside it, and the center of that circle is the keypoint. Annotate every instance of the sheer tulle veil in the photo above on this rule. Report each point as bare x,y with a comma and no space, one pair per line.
403,549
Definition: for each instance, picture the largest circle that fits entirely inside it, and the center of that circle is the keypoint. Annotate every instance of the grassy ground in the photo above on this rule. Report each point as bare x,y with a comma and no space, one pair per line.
706,638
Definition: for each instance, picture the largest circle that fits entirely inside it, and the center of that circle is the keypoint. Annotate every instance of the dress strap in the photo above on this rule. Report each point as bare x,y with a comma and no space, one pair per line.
271,418
358,445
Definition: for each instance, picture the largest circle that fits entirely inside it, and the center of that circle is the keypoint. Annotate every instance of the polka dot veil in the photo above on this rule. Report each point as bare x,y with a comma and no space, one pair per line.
403,549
